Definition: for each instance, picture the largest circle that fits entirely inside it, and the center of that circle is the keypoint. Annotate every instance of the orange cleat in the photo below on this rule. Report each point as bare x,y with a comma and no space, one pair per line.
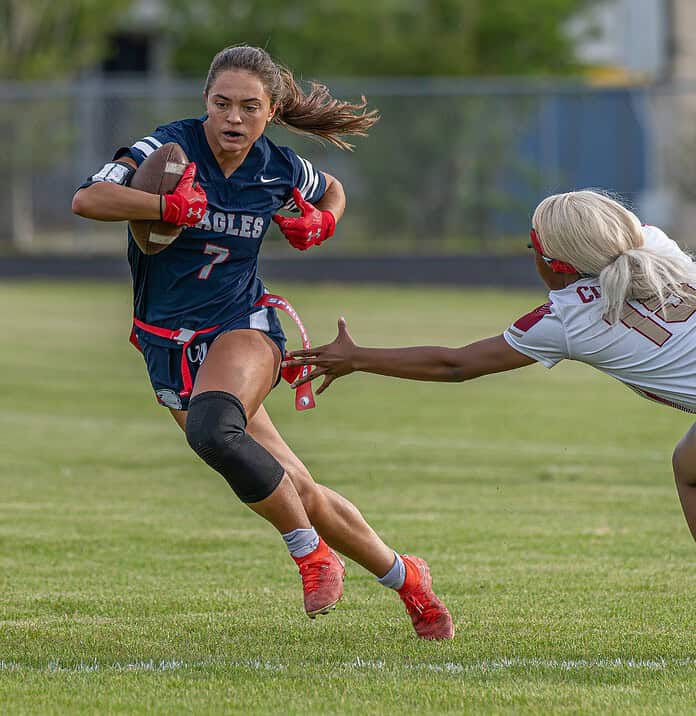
429,615
322,573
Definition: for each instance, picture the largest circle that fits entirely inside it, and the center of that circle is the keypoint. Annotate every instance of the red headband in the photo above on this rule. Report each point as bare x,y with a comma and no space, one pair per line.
555,265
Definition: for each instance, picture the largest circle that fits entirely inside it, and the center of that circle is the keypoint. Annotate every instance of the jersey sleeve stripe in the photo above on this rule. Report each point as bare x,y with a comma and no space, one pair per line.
308,176
154,142
143,147
312,175
302,183
308,182
314,186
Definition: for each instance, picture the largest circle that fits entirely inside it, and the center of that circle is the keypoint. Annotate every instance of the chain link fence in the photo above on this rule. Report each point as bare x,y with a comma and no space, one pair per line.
454,166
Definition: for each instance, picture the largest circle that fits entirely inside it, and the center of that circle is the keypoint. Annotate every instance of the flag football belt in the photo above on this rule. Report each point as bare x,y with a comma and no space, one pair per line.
304,397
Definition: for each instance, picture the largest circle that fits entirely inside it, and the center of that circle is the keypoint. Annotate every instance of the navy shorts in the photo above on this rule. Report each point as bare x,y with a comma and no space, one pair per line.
163,356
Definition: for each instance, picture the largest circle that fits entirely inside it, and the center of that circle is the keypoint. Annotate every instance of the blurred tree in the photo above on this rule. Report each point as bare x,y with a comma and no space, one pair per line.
461,144
530,37
43,40
468,178
47,39
381,37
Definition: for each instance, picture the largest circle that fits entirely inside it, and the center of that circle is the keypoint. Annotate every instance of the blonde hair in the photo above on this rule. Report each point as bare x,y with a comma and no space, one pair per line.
601,237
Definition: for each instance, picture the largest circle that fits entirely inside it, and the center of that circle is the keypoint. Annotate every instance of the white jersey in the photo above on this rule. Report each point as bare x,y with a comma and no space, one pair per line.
651,350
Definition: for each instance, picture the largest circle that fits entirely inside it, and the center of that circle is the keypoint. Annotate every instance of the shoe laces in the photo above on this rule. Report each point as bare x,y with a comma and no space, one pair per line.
311,573
420,604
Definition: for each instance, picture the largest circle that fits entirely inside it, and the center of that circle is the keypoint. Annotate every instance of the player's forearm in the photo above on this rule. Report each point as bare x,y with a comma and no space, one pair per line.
334,199
418,363
106,201
490,355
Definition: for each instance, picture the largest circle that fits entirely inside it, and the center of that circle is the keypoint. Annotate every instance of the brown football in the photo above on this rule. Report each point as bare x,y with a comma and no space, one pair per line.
158,174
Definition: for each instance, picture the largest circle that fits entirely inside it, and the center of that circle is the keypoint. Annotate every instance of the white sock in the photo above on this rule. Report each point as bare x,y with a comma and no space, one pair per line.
301,542
396,576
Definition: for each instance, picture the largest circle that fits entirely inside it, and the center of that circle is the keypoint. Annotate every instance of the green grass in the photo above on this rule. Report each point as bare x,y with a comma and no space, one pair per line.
132,581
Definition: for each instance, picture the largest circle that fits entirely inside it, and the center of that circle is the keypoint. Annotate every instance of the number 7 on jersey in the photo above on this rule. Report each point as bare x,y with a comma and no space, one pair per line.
219,252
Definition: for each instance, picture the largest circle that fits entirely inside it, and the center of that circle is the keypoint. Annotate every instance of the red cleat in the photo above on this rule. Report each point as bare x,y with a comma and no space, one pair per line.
322,573
429,615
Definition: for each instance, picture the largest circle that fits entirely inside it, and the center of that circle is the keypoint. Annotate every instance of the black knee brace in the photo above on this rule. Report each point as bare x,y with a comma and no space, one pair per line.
215,429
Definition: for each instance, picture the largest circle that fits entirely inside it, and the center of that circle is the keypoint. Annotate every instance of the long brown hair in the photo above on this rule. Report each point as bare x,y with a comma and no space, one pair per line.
316,113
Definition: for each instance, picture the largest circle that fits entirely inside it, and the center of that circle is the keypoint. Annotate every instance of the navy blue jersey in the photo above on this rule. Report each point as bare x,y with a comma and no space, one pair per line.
209,273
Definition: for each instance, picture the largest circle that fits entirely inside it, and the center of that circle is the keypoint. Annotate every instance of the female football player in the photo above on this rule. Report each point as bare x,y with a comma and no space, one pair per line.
622,299
213,349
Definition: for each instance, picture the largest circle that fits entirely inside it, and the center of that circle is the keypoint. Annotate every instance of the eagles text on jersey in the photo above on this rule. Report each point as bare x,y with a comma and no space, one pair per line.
209,274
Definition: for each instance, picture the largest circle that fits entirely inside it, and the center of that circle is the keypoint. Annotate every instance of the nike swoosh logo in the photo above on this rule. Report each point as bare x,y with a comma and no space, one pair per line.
267,181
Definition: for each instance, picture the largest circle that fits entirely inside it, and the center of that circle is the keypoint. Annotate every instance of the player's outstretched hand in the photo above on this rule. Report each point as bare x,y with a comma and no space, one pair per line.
331,361
310,229
186,205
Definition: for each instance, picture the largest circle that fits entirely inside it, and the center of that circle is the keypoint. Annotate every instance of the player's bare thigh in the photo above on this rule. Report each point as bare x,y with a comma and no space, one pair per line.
179,417
243,362
262,429
684,458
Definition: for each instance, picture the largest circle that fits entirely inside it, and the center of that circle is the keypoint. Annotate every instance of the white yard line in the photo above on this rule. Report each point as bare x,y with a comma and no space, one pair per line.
466,667
145,665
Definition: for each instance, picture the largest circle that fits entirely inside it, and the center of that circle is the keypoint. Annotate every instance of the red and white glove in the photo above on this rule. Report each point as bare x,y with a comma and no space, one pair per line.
185,206
310,229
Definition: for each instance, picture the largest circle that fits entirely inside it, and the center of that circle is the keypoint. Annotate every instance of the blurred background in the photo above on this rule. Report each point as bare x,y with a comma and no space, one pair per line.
487,106
132,582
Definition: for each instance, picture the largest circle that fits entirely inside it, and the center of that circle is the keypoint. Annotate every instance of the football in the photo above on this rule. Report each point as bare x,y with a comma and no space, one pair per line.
158,174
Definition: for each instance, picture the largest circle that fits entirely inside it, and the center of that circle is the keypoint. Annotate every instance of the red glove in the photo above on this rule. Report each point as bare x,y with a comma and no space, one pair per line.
186,205
310,229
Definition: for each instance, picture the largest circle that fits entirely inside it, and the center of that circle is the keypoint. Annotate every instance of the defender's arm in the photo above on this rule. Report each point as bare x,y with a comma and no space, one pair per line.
436,363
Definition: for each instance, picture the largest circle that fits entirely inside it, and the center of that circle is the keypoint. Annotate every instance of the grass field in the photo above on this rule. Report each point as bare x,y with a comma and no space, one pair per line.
134,582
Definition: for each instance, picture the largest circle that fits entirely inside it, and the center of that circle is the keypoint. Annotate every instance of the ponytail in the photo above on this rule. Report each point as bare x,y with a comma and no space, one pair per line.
600,237
644,273
317,113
